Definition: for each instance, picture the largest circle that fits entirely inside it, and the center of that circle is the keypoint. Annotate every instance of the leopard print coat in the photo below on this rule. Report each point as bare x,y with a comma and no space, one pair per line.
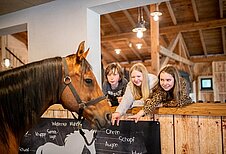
159,98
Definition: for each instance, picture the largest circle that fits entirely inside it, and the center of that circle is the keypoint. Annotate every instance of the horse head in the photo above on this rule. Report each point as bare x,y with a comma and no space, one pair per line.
81,92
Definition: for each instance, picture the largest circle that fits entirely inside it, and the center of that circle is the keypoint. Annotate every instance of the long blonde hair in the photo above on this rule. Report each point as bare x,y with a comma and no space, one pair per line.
143,91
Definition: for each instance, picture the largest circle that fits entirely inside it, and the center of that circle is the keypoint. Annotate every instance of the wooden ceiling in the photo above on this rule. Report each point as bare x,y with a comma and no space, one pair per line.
192,30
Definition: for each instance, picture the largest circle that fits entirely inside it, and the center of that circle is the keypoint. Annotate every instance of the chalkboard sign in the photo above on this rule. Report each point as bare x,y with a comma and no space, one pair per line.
60,136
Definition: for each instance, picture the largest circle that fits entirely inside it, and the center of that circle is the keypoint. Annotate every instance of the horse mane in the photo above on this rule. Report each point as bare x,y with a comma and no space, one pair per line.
23,92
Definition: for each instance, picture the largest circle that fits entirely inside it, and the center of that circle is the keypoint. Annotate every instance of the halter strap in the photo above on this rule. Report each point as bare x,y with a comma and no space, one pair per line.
67,82
82,104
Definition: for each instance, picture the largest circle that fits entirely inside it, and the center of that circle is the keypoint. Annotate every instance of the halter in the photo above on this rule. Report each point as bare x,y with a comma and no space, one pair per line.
82,104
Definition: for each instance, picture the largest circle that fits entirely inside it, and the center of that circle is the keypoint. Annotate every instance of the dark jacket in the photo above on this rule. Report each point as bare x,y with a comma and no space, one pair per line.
112,94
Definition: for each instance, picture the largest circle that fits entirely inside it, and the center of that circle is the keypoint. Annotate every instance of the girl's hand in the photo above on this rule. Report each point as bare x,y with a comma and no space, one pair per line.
115,117
137,116
119,99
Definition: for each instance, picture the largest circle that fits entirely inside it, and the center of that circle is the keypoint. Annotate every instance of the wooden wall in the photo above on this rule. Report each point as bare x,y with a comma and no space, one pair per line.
216,70
199,128
191,134
219,76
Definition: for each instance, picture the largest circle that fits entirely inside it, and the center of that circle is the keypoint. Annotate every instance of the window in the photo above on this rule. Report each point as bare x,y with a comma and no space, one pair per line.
206,84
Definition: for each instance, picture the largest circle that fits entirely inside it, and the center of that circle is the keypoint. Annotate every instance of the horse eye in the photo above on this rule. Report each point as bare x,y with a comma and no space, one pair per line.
88,81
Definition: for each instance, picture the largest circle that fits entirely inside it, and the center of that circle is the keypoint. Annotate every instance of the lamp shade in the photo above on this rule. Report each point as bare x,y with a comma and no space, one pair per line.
156,15
140,27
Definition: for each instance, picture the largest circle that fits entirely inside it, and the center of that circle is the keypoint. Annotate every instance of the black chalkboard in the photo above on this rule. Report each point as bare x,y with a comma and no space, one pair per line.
62,135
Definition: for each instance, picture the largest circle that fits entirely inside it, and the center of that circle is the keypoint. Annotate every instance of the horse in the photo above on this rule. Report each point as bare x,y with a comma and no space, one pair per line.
69,147
27,91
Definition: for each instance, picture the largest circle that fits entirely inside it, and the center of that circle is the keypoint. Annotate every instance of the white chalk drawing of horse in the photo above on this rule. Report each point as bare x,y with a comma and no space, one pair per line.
74,144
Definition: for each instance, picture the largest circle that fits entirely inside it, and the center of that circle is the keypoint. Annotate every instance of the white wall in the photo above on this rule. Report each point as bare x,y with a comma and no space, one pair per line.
57,28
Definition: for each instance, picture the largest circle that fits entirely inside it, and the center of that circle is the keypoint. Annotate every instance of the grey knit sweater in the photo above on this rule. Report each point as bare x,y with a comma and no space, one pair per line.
128,100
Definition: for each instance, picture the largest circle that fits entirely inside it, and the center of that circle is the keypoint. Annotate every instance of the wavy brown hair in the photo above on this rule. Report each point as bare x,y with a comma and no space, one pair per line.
112,68
170,69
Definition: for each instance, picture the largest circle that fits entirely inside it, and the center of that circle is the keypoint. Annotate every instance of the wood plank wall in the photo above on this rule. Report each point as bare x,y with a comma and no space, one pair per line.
192,134
219,80
186,131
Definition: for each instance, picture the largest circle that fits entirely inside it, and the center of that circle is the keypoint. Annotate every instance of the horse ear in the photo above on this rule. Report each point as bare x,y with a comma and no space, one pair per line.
80,51
86,53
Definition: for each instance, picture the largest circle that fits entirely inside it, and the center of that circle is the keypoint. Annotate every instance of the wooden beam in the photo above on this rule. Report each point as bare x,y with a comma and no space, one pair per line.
122,36
134,51
171,12
223,39
195,10
203,42
154,33
3,46
201,59
162,41
184,46
193,26
113,23
147,12
104,63
201,109
195,109
171,47
173,43
174,56
102,31
129,17
105,53
129,65
171,29
221,6
185,53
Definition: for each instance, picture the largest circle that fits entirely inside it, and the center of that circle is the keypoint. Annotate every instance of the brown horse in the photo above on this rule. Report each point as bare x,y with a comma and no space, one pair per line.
26,93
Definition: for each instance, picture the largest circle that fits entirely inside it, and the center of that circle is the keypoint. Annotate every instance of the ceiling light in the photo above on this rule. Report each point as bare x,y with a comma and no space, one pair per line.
139,45
6,62
117,51
156,14
140,27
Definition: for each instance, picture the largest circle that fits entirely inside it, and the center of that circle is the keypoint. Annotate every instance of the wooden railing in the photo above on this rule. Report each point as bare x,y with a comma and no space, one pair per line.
200,109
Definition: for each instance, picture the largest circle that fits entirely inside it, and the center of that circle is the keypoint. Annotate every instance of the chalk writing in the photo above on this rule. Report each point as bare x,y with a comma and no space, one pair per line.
53,137
51,131
126,139
72,124
24,149
112,132
59,123
111,145
42,135
135,152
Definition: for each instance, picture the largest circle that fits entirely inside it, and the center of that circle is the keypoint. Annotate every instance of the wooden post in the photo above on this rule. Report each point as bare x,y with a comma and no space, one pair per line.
154,30
3,51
